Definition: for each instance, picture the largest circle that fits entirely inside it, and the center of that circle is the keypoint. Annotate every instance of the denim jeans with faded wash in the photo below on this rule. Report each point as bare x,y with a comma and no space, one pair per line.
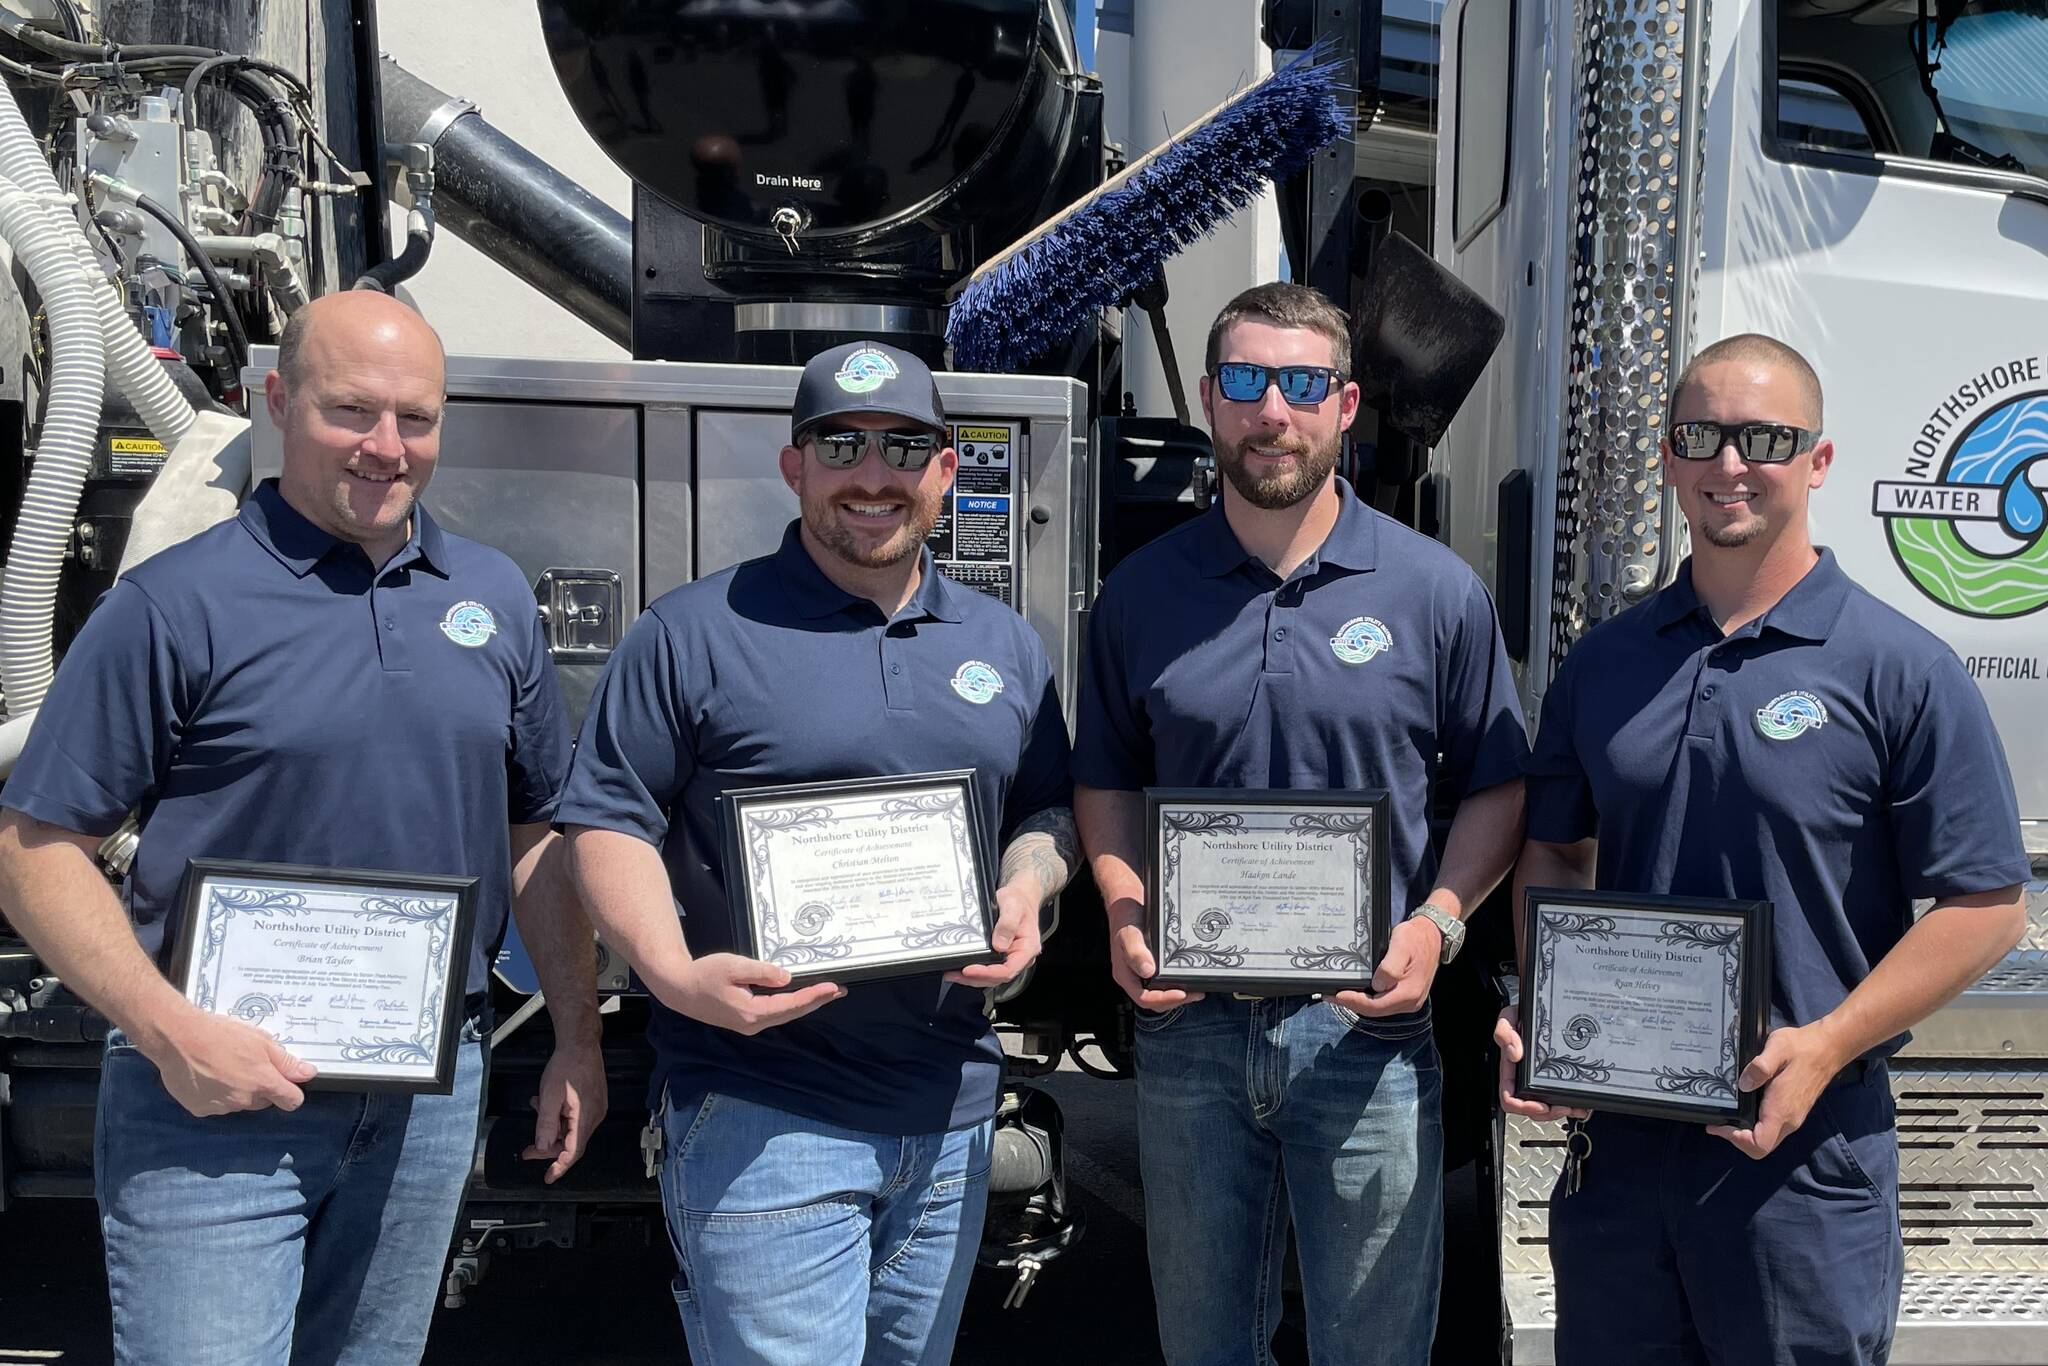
310,1238
1255,1115
803,1244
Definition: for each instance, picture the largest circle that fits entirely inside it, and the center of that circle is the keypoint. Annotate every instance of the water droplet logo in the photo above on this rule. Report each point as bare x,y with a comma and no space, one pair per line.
1360,639
1969,534
1790,715
865,371
469,624
977,682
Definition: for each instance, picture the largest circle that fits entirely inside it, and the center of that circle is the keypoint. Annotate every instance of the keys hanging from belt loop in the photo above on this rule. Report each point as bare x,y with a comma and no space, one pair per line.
1578,1146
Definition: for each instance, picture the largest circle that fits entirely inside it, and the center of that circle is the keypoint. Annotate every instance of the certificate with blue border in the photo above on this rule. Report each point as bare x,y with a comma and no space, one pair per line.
861,879
1648,1005
357,971
1266,892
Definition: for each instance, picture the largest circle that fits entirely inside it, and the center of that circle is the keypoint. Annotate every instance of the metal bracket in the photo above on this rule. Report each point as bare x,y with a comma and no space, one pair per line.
581,611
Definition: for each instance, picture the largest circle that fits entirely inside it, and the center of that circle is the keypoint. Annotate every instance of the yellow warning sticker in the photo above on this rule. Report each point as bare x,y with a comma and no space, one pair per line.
135,445
981,433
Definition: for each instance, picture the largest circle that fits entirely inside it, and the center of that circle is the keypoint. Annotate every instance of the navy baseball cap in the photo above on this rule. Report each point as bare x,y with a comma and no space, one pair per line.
866,377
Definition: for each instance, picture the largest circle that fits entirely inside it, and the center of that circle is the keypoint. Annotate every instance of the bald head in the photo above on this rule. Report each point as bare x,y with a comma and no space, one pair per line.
357,398
353,322
1758,351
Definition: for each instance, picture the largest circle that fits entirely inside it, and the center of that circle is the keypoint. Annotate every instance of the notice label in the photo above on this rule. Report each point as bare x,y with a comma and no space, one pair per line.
974,541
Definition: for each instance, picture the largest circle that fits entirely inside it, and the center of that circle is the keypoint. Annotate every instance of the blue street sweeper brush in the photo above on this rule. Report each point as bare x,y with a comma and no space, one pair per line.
1043,289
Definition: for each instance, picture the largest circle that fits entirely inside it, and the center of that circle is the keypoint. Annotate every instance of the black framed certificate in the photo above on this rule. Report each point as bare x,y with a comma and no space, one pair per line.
1266,892
357,971
1651,1005
864,879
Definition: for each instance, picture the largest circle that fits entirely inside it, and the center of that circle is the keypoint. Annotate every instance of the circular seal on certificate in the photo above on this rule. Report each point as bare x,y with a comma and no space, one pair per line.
1581,1030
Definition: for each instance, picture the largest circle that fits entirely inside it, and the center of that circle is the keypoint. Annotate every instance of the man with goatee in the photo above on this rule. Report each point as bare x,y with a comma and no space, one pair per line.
1292,637
827,1149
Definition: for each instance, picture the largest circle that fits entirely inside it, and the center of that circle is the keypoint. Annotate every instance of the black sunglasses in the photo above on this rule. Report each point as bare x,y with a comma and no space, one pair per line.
843,449
1759,443
1243,382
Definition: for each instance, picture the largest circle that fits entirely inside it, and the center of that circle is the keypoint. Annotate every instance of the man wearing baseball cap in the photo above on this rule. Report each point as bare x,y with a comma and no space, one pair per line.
826,1149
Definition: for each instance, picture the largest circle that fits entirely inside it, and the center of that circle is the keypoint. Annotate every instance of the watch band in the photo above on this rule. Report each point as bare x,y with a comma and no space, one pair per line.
1452,928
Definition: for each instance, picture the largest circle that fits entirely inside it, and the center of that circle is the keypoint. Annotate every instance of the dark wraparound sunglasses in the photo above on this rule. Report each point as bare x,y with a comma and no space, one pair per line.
842,450
1760,443
1243,382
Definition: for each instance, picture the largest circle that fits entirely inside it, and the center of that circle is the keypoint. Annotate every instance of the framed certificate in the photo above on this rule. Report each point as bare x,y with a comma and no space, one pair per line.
1266,892
359,972
1651,1005
852,881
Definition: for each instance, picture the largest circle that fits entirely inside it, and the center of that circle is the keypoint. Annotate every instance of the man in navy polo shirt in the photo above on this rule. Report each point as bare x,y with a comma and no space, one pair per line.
1294,638
1766,729
328,679
827,1148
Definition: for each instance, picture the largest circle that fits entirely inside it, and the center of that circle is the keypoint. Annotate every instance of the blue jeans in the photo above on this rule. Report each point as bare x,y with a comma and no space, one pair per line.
1255,1113
802,1244
1789,1260
266,1238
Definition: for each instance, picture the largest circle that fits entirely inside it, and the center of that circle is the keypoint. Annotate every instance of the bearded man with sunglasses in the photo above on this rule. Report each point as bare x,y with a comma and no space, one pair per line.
1292,637
1766,729
826,1149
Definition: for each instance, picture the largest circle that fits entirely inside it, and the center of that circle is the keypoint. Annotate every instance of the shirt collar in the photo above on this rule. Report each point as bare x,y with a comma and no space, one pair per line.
1353,542
1808,610
815,596
299,545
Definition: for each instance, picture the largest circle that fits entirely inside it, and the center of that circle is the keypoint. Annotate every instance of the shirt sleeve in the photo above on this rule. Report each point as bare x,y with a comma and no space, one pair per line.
1043,780
638,746
1559,795
1479,726
1955,820
108,728
538,763
1112,741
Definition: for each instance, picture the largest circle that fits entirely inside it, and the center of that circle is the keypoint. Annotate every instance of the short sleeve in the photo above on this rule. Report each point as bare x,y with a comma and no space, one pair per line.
1112,743
1479,727
1955,821
538,763
1559,795
637,747
109,726
1043,780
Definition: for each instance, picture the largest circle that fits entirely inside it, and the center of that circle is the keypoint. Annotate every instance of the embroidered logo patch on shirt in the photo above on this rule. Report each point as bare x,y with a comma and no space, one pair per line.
977,682
1790,715
469,624
1360,639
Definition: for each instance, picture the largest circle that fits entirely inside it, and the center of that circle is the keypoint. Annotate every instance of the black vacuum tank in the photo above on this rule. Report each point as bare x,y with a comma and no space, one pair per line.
823,152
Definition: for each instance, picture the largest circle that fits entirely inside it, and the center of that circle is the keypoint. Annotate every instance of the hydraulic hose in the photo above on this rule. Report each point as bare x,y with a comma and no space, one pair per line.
238,336
71,423
139,374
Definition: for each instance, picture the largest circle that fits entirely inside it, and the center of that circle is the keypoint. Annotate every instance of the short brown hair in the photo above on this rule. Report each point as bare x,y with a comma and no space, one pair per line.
1285,305
1754,348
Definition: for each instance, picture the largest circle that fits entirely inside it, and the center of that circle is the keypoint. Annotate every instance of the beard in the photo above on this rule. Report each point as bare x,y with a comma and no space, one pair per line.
821,518
1288,485
1731,536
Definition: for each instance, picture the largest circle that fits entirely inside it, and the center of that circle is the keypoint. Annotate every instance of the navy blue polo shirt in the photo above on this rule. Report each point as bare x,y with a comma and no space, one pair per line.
1376,664
261,692
769,673
1831,757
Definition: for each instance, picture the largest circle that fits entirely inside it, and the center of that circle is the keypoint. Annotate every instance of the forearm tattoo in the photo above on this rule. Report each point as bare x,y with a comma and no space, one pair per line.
1046,848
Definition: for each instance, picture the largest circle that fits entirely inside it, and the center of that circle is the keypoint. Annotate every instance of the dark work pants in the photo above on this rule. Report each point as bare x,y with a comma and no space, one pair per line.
1680,1250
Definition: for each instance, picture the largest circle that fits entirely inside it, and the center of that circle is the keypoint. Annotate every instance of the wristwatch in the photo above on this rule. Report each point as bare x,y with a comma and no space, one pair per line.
1452,927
